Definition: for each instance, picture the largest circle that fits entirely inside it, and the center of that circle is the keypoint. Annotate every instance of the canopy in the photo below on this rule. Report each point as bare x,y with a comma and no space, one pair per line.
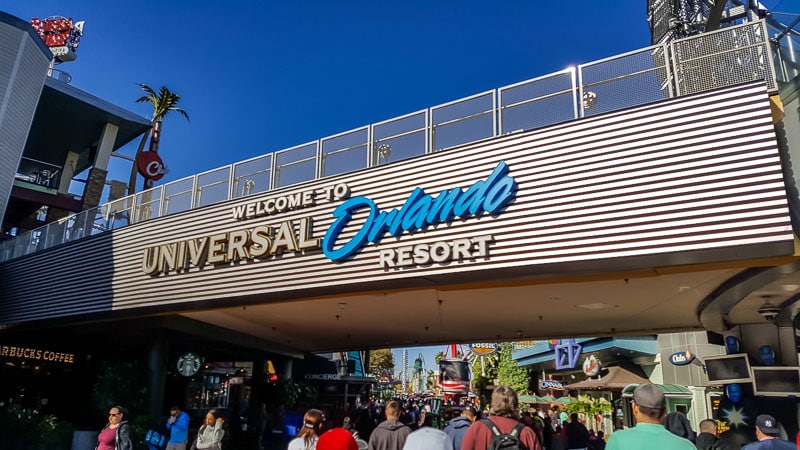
616,378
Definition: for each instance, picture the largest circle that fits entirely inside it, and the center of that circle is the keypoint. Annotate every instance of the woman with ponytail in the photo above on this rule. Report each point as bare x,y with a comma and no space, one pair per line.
307,436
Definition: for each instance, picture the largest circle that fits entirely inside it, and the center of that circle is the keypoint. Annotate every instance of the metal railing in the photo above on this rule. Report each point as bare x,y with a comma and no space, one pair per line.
703,62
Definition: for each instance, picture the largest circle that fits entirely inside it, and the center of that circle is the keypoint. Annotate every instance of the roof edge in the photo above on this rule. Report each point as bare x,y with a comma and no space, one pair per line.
22,25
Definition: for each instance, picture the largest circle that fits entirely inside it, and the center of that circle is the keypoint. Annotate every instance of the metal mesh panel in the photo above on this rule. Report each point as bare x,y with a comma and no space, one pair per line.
345,152
178,196
399,139
212,186
148,204
296,165
253,176
631,79
723,58
75,227
464,121
537,103
25,244
96,220
6,250
659,13
120,213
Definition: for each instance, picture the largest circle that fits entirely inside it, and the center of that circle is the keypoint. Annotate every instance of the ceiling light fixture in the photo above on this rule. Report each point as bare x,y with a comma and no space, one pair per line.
768,310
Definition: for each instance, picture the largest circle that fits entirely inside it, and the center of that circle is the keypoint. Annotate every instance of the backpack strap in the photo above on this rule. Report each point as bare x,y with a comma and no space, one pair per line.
491,426
516,431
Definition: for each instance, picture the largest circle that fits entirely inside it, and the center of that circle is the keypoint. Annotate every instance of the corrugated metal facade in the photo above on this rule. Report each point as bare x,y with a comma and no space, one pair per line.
680,181
23,69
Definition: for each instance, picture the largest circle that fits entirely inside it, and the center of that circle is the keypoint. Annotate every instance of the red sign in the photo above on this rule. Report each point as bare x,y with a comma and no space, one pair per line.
151,166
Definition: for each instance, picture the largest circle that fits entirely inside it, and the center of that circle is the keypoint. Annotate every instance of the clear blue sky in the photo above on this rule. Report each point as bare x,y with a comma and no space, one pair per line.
260,76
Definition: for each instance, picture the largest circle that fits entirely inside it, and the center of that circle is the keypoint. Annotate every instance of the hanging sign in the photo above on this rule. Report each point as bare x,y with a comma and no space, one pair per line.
151,166
484,348
682,358
591,366
551,384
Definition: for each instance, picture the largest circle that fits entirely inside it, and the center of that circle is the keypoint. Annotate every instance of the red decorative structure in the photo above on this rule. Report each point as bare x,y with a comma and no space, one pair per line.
61,35
454,374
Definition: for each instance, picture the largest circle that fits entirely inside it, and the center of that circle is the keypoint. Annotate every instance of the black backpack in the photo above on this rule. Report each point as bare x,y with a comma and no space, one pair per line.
505,441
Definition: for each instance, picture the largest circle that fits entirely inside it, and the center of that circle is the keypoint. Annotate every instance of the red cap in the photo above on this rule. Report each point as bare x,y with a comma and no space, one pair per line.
337,439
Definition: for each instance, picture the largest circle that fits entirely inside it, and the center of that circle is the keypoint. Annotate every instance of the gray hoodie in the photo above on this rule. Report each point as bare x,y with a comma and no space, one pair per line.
389,435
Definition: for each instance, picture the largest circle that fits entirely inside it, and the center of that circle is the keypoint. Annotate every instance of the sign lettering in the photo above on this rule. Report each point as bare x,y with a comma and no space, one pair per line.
419,211
36,354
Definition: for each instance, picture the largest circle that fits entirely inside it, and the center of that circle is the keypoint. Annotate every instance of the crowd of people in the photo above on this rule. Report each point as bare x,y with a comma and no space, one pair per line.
402,424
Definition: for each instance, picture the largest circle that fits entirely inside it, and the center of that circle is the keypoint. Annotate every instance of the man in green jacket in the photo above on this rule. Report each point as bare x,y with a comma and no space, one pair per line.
649,408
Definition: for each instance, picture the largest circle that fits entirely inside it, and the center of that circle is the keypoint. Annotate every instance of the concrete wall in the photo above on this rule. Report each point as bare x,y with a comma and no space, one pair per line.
697,343
23,68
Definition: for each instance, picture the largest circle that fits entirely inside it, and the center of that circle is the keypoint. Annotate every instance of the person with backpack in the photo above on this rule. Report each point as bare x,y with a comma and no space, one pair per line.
502,430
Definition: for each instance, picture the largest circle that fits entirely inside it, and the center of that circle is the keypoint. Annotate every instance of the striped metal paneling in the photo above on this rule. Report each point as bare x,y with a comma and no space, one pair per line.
23,69
668,180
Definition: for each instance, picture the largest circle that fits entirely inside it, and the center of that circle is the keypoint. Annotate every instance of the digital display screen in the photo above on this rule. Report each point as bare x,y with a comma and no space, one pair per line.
728,368
776,380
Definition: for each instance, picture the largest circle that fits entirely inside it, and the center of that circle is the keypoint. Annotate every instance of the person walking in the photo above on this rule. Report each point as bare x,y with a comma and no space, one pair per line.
210,434
767,432
707,438
458,426
427,438
115,435
309,433
505,417
336,439
577,434
178,427
390,434
649,408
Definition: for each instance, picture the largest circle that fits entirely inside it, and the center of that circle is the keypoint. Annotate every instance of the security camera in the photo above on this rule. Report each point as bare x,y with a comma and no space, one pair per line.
769,311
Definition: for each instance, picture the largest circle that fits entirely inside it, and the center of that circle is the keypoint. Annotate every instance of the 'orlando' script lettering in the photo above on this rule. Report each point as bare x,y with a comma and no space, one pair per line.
418,212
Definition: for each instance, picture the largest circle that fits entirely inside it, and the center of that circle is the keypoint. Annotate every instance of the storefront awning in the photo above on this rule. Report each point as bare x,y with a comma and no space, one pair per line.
670,390
615,378
543,400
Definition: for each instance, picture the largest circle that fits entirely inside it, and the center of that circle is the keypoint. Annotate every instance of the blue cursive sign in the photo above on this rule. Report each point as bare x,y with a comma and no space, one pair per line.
418,212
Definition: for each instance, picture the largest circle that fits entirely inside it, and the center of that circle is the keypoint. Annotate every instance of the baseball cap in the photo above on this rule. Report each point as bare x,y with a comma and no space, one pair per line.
337,439
649,396
471,409
767,424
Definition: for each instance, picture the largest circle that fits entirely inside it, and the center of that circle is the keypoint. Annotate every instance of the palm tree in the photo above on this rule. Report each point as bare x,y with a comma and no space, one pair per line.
163,102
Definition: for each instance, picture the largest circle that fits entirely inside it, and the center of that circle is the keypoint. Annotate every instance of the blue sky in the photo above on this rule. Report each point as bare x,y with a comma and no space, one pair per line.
260,76
256,77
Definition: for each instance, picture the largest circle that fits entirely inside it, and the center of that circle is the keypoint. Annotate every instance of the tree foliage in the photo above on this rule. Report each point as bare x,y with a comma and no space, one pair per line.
381,363
589,407
163,102
508,372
